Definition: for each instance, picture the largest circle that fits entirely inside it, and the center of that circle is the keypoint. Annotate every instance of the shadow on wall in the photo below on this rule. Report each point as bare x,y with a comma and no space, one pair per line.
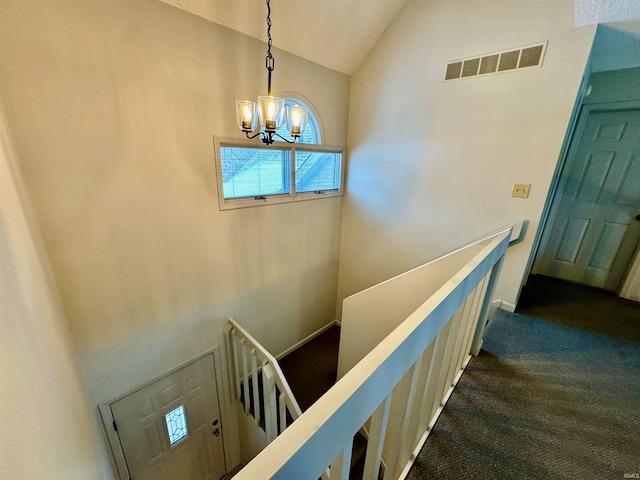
616,47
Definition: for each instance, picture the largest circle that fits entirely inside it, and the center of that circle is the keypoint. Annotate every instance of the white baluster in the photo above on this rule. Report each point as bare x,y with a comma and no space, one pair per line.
482,292
270,407
236,364
255,384
283,412
427,401
447,340
245,376
473,320
459,334
375,442
434,383
341,465
486,305
412,412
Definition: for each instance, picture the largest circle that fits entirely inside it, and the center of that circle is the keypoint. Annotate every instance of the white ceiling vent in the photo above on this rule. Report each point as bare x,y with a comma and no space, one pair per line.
497,62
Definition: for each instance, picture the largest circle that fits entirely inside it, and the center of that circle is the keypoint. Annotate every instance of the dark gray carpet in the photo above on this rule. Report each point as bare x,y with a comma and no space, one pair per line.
557,396
312,369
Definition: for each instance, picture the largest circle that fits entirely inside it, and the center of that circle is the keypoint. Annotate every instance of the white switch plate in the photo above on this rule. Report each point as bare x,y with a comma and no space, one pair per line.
521,190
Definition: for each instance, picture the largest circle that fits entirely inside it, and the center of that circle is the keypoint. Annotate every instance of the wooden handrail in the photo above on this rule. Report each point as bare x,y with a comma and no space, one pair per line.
433,343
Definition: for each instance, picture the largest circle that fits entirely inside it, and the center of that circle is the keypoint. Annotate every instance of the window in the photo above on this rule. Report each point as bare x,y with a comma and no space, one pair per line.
176,424
253,174
318,171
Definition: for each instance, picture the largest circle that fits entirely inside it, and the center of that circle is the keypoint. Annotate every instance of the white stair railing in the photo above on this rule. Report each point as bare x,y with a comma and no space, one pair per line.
258,380
397,390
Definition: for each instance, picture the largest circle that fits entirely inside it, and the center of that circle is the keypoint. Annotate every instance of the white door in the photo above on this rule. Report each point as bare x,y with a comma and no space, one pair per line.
595,232
170,429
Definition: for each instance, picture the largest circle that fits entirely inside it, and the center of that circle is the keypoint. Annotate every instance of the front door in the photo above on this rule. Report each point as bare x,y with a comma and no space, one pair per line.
594,233
170,429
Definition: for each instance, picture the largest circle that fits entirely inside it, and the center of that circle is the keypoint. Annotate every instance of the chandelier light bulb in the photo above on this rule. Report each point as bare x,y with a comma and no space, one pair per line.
246,115
296,119
271,110
270,113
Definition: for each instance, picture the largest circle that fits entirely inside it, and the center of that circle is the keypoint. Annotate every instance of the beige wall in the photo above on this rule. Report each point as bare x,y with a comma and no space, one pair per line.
112,106
47,428
432,163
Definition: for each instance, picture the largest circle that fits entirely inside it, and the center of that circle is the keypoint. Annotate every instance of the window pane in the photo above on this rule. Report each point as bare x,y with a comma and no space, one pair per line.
318,171
176,424
253,172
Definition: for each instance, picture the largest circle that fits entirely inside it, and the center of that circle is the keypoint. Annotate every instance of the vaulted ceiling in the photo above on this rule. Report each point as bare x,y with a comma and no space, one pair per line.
339,33
335,33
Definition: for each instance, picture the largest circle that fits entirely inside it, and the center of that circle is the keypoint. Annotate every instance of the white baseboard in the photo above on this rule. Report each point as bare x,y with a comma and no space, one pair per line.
306,339
503,305
508,306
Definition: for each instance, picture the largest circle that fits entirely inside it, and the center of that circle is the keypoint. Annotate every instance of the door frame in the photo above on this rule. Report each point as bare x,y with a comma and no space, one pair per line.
550,210
108,422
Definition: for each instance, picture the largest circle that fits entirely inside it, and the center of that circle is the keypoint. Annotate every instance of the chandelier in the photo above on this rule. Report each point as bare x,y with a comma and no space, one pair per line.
271,111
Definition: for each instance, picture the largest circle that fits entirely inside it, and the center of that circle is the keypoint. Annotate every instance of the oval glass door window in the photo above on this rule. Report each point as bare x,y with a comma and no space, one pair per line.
177,424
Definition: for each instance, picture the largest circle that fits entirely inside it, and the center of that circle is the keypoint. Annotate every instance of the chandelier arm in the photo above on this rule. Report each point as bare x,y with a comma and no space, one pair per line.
288,141
252,136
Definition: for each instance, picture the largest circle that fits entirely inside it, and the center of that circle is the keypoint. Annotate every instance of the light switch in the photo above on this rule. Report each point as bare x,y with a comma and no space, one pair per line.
520,190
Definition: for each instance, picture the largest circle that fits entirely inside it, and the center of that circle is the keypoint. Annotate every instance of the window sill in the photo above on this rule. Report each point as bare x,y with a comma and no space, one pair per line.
234,203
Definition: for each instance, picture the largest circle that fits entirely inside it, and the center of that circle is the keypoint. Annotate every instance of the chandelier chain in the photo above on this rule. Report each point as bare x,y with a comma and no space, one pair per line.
270,109
269,59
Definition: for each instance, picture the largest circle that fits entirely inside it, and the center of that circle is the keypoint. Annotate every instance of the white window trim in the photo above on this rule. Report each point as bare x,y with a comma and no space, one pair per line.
293,196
